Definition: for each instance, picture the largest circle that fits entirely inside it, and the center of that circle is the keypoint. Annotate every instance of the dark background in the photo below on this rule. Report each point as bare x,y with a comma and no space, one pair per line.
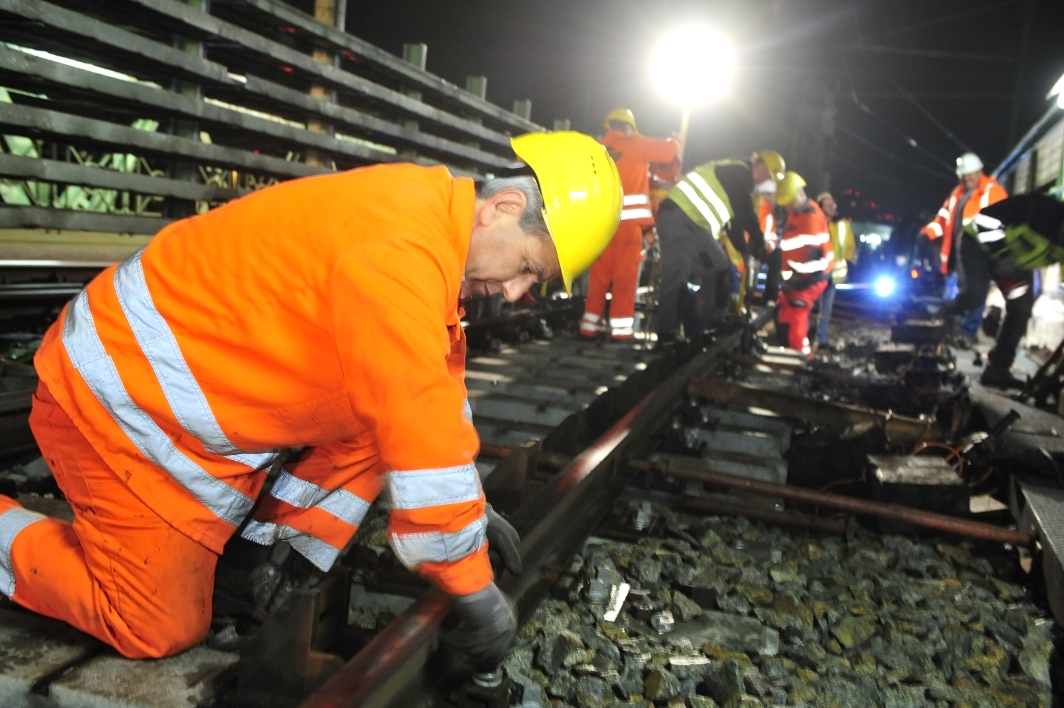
962,65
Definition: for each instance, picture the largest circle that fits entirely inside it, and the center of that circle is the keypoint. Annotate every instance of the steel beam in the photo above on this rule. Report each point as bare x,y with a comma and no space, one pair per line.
27,217
72,173
209,27
24,120
388,64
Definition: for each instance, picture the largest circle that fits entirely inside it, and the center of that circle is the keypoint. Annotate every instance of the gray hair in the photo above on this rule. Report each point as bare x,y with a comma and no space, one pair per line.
532,221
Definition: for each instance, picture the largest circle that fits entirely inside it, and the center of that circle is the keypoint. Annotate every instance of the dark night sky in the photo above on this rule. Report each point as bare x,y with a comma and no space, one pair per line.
578,58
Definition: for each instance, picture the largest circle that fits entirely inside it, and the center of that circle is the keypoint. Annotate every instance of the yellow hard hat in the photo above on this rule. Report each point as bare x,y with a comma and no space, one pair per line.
773,161
582,195
788,187
622,114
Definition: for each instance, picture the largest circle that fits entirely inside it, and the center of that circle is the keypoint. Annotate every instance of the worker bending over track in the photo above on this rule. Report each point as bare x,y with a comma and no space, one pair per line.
323,314
806,262
713,199
617,270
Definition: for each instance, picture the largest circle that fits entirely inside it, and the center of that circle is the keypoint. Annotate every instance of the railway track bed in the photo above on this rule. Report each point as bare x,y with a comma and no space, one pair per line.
643,582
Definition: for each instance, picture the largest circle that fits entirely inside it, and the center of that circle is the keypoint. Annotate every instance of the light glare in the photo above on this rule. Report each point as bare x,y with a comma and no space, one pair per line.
885,286
693,65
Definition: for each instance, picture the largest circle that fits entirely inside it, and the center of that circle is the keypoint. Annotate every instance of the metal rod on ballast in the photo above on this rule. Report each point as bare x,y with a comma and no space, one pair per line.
862,507
787,519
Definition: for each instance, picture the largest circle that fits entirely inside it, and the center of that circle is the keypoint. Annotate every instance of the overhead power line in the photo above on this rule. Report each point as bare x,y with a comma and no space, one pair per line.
942,20
931,53
908,186
907,138
927,114
889,155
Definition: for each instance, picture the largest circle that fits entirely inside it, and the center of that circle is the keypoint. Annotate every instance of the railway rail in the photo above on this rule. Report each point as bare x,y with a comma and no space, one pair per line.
594,449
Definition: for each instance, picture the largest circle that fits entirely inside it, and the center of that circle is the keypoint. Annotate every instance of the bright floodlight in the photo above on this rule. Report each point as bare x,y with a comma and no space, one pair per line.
884,286
1058,91
693,65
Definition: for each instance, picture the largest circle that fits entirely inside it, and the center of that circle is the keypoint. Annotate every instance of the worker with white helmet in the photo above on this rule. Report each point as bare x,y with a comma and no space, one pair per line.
974,191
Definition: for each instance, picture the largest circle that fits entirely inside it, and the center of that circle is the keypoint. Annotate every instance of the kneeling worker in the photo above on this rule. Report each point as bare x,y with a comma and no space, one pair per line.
320,313
806,262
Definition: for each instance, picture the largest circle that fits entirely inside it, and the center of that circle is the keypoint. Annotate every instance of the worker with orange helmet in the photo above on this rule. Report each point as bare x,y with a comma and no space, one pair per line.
617,269
319,314
807,260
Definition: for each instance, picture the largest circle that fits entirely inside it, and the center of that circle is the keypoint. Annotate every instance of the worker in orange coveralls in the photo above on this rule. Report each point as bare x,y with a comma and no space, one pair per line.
806,262
321,313
617,269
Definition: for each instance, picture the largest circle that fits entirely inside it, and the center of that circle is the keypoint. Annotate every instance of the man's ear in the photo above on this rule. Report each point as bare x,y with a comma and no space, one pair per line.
510,201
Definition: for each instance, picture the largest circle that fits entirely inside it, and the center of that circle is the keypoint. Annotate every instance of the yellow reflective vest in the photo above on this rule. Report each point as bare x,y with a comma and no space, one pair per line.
844,245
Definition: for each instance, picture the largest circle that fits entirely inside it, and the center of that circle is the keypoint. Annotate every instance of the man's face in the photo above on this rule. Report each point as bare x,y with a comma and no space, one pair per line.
760,172
503,258
971,180
829,206
799,202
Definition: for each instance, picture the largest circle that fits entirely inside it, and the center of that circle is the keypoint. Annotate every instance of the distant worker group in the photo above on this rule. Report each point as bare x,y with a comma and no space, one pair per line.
716,225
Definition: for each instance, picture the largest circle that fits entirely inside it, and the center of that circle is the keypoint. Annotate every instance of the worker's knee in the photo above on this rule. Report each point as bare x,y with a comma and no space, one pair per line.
170,635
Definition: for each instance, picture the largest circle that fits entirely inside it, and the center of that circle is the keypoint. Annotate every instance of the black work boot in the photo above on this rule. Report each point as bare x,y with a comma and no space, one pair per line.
1000,377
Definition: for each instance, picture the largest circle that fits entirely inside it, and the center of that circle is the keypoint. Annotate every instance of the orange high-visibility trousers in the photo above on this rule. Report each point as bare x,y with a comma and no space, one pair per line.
119,572
792,316
616,271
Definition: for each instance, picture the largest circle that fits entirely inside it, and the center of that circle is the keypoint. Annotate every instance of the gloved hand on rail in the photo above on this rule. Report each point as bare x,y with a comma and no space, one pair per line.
487,626
503,541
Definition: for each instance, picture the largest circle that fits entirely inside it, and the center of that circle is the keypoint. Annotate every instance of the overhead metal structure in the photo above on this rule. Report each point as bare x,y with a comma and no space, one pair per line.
120,116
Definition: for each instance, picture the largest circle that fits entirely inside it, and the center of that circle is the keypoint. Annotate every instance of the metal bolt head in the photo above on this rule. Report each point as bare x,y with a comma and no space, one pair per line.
663,621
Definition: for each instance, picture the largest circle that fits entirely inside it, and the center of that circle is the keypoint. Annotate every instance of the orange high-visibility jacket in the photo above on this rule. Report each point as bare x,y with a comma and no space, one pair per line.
318,313
633,155
805,246
941,227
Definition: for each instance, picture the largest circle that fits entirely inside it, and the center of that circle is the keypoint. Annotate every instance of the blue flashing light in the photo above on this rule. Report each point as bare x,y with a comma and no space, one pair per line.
884,286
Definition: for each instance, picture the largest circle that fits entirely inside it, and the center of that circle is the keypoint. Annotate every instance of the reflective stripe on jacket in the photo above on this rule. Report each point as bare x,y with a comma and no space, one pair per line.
700,195
319,313
633,155
986,193
807,255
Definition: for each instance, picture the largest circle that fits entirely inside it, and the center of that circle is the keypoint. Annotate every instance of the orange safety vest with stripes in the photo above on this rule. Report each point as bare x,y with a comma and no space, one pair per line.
633,155
320,313
806,254
941,227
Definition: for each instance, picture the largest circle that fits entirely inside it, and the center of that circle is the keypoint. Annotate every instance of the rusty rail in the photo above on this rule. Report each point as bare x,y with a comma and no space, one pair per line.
401,663
789,519
862,507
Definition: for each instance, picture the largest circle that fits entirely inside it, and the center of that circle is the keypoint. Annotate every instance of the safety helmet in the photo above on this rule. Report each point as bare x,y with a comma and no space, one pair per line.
582,195
773,161
788,187
968,163
621,114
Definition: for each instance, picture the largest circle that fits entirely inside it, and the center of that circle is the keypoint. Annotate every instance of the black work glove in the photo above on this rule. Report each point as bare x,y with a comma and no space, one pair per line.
503,541
487,626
